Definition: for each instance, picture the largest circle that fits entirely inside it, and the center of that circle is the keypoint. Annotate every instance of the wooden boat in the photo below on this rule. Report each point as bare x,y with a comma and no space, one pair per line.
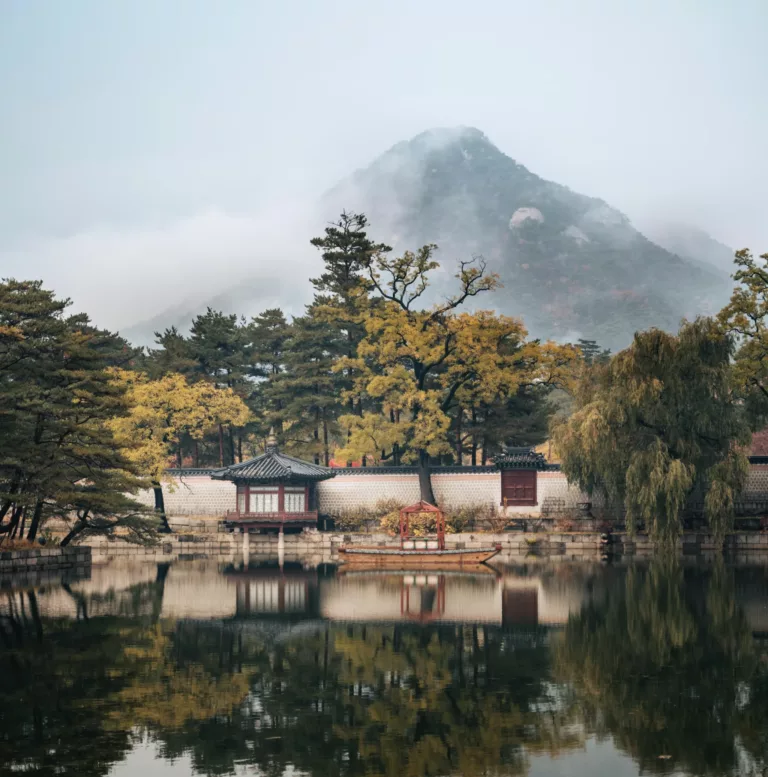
416,553
396,558
465,571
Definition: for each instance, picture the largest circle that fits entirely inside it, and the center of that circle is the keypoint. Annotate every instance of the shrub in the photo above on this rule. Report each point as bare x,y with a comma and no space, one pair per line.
478,516
353,519
420,524
367,519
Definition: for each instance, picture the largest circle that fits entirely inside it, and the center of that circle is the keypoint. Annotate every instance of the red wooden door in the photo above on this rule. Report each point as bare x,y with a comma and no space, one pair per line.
518,487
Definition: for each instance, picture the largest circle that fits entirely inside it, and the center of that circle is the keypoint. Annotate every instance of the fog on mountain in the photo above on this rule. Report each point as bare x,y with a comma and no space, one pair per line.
570,264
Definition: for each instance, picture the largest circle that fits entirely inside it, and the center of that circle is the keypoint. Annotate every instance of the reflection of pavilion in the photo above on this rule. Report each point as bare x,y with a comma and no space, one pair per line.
289,591
294,593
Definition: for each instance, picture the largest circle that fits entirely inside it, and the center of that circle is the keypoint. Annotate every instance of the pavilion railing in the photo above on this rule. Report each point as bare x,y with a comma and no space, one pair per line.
284,517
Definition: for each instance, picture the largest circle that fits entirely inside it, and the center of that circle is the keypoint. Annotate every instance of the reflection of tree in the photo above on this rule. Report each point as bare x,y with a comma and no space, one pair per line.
389,701
56,681
662,671
74,692
422,702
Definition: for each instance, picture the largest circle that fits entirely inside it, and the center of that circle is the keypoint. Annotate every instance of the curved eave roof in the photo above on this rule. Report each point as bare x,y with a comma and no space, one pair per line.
273,467
520,458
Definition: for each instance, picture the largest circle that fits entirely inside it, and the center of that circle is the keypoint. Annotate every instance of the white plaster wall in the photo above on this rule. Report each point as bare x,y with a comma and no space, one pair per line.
200,496
194,495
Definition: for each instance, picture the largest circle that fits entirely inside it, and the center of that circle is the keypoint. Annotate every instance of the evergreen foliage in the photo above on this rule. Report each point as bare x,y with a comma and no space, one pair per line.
59,456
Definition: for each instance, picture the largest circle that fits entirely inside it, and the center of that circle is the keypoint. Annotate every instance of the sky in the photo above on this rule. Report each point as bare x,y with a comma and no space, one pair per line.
154,151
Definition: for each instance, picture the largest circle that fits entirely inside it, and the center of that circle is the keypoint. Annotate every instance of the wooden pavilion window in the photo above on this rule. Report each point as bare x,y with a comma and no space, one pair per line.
295,499
271,499
264,499
518,487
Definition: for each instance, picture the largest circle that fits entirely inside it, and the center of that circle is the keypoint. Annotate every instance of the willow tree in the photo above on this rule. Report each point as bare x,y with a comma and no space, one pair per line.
746,318
657,422
417,366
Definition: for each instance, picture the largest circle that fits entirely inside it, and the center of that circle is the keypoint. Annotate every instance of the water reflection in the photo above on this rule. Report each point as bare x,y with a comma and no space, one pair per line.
273,668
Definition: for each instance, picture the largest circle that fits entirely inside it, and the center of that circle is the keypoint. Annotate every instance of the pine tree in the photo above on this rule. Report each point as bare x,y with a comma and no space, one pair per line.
342,296
220,346
59,458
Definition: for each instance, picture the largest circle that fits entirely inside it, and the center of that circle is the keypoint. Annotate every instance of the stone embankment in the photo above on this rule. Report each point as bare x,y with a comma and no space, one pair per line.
36,563
206,539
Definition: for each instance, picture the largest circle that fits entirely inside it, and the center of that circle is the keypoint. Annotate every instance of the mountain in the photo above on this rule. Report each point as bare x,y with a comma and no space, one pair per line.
691,243
571,265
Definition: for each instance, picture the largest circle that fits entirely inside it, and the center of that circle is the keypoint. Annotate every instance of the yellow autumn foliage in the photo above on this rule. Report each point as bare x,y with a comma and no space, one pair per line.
162,410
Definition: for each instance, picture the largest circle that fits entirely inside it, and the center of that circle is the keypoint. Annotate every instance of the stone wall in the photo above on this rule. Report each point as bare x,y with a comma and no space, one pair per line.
38,560
312,547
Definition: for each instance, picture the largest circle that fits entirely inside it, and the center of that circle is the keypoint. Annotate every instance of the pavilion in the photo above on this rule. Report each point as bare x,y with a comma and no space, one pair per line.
274,491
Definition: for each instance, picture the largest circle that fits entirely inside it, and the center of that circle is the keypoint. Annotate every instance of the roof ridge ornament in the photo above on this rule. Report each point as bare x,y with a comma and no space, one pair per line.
272,441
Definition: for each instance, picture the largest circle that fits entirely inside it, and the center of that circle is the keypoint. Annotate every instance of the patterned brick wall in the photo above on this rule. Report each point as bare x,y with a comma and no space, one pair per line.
756,490
194,495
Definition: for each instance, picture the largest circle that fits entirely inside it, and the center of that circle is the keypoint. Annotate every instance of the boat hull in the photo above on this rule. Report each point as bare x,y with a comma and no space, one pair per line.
394,558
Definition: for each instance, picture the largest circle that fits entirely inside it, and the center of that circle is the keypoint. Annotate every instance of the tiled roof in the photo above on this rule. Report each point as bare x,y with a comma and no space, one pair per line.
520,458
273,466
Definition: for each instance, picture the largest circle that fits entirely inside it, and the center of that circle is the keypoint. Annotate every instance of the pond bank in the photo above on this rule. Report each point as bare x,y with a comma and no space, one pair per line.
322,547
37,562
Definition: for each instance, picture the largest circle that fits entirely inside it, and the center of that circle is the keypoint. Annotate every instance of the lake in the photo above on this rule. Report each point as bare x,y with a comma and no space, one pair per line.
537,668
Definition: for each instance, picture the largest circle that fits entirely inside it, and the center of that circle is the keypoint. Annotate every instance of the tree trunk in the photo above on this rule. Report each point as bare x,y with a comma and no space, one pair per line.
326,450
23,523
34,526
474,438
179,456
425,480
221,445
160,507
73,532
231,446
240,447
459,447
15,515
197,453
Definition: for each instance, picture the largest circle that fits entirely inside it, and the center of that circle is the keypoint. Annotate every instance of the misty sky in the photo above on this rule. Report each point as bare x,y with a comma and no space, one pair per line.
154,150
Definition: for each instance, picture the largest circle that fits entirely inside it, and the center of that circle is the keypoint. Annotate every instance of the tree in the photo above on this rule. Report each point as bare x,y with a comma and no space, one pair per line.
592,352
59,457
268,335
160,412
173,355
305,389
746,317
341,297
221,346
657,421
420,365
